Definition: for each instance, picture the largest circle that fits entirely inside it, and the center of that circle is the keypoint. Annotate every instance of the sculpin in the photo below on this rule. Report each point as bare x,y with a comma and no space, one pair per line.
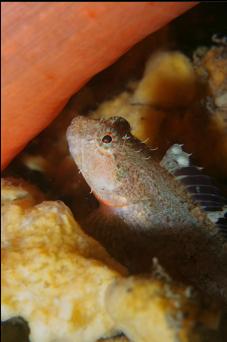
166,209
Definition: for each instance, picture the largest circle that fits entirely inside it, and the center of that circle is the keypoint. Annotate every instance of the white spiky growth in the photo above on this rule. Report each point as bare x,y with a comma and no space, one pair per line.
214,216
175,158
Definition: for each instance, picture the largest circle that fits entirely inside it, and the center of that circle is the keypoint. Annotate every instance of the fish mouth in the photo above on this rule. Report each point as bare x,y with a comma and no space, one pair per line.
80,123
76,124
77,143
75,131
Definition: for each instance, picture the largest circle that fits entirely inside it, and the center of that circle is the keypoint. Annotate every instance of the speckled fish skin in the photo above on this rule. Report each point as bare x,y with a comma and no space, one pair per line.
144,210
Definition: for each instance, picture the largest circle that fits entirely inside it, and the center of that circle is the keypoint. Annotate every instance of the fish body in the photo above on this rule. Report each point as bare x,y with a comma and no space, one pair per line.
145,210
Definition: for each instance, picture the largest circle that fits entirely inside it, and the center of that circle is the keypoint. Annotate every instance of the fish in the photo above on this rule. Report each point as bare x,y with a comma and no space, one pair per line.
149,208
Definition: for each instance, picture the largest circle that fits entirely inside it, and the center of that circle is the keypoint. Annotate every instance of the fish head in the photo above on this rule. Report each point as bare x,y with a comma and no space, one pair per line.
96,147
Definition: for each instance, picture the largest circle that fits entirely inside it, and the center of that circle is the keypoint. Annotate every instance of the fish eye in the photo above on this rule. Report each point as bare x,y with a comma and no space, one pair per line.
107,139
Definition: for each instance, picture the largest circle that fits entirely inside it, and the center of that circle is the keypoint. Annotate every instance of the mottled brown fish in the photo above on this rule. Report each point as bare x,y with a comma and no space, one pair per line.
145,209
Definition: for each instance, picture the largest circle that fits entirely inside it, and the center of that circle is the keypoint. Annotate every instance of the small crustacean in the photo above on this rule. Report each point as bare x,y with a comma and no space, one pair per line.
168,210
